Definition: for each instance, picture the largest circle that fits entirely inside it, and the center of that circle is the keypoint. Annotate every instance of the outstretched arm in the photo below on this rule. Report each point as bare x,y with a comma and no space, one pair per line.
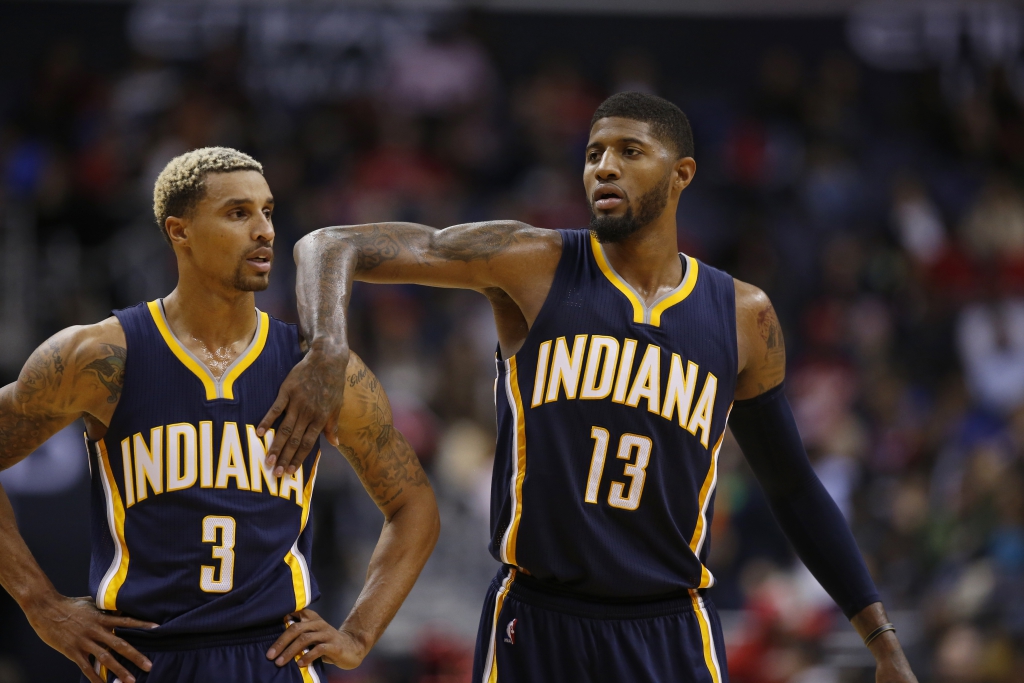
391,474
77,372
512,257
763,424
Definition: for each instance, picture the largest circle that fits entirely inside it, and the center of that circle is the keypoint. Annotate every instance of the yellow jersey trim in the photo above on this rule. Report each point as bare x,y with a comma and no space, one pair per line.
307,493
613,277
689,282
710,653
179,351
248,357
224,387
294,559
700,531
516,403
641,313
491,665
109,587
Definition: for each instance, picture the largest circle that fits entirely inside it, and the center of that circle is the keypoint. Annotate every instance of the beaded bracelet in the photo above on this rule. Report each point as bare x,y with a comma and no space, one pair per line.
879,631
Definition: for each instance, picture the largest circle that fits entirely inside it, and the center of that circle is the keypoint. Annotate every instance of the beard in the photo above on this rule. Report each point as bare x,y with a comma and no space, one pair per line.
612,229
249,282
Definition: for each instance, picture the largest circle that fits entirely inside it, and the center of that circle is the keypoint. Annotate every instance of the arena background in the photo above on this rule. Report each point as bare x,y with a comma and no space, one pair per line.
860,162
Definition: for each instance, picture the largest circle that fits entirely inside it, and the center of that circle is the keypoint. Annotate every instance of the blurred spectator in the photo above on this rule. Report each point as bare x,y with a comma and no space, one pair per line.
882,213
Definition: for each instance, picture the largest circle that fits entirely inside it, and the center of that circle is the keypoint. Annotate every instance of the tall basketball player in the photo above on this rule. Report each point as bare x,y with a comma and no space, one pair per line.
620,362
200,558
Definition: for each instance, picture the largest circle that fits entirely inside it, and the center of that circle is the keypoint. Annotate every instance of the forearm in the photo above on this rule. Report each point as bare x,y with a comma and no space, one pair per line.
330,259
325,264
20,574
823,541
404,546
766,431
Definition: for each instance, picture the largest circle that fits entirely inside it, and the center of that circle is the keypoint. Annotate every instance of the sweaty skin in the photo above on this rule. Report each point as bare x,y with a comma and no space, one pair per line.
224,253
514,264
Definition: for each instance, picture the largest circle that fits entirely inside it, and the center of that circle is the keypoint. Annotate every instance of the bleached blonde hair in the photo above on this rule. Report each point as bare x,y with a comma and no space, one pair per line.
182,182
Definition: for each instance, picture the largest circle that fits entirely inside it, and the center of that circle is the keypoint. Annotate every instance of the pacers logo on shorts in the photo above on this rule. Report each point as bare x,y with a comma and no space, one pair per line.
510,632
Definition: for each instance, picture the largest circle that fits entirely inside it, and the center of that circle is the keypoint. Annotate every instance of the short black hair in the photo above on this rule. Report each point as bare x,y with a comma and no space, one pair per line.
667,121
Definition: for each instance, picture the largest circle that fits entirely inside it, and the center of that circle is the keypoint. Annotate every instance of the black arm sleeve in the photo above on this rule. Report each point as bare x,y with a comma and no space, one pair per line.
767,433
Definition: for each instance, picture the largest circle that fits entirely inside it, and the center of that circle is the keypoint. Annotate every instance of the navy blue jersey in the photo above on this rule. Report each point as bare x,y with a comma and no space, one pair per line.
190,528
610,418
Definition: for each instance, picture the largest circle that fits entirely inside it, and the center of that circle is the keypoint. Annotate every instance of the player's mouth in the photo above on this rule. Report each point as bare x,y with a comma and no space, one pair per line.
607,197
261,259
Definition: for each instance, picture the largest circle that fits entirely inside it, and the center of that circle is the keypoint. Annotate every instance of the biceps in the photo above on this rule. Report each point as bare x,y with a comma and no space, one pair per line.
465,256
766,361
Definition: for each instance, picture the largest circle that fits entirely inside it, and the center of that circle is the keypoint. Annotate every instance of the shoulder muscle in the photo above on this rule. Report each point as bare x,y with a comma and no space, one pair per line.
79,370
762,349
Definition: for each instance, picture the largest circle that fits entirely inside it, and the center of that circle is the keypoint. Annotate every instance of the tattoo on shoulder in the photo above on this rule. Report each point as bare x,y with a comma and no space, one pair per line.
43,371
109,370
773,370
30,408
771,331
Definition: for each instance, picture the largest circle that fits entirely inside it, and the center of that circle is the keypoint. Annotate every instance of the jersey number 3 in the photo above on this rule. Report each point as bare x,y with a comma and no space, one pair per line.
225,552
618,495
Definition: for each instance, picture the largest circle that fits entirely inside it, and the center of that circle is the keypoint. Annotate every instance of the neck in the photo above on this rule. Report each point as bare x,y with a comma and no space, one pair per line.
649,258
211,315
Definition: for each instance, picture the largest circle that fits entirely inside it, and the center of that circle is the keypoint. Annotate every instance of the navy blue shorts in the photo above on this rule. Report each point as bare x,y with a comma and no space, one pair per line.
532,635
238,657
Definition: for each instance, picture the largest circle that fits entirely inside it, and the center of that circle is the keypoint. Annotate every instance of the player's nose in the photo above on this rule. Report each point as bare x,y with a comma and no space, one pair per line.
607,168
263,228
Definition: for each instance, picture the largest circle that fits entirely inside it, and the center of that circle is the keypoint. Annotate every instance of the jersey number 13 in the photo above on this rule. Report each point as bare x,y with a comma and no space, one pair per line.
620,495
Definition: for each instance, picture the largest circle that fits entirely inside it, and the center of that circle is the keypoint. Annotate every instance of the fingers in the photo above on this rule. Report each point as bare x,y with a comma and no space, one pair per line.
309,438
275,411
300,439
314,653
115,667
305,641
88,671
112,621
284,640
123,648
281,437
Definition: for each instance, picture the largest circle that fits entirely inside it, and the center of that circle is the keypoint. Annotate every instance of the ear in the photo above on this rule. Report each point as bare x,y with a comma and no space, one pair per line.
685,169
176,229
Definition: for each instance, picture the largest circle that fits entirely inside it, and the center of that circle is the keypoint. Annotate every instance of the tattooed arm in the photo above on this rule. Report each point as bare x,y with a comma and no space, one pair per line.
513,264
762,350
391,474
78,372
763,424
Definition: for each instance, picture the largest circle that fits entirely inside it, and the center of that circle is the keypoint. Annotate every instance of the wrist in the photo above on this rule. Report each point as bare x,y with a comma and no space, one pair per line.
329,346
885,647
38,599
361,639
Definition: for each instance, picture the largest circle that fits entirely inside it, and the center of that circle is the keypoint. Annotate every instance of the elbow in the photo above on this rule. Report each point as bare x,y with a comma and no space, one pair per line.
433,520
321,237
420,516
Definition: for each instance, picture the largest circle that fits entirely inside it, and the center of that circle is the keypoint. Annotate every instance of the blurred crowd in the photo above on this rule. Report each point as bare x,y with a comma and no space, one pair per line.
885,218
